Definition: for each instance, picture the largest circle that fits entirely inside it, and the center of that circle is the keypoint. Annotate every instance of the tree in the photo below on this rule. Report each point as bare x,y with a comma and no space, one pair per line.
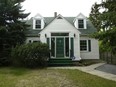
11,15
11,24
107,20
95,16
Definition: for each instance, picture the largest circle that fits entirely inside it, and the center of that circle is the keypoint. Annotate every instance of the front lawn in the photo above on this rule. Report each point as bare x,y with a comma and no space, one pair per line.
20,77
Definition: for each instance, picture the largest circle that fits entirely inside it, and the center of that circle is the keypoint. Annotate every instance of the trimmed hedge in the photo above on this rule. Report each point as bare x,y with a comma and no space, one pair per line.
30,55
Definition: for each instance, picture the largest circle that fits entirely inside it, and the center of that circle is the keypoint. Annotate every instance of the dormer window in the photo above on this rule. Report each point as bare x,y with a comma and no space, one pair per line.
80,23
38,24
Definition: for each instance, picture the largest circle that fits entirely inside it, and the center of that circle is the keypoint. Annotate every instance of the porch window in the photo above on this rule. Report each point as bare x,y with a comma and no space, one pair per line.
59,34
38,24
83,45
80,23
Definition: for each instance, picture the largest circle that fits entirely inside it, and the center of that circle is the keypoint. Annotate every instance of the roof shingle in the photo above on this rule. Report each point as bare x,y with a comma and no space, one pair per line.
31,32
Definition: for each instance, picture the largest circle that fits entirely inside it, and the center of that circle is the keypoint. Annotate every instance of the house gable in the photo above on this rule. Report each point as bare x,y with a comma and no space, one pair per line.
60,24
80,22
47,21
38,22
61,32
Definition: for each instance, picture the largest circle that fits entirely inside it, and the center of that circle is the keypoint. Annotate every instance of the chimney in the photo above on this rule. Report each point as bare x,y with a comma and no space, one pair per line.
55,14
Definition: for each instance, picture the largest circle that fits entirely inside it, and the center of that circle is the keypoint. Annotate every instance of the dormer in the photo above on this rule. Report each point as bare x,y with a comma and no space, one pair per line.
80,22
38,22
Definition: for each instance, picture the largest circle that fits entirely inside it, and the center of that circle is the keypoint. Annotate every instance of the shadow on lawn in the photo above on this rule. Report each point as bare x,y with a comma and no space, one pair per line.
13,70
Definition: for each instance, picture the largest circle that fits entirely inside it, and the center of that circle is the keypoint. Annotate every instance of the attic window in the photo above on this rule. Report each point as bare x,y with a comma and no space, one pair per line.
80,23
38,24
59,18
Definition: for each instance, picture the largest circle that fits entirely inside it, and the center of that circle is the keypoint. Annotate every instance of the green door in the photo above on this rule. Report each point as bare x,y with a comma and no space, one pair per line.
59,47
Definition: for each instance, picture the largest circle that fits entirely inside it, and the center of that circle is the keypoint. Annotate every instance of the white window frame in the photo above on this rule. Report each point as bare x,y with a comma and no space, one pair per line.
86,46
84,23
81,23
37,24
34,24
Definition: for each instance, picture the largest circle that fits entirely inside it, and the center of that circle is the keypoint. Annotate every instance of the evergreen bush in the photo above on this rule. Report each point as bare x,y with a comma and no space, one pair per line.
30,55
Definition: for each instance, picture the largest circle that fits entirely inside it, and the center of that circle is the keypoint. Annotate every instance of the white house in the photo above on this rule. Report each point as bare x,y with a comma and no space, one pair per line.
67,37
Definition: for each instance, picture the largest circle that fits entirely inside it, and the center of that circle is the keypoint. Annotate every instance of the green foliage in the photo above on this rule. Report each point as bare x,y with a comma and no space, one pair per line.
10,12
13,71
105,14
4,47
95,16
30,55
11,27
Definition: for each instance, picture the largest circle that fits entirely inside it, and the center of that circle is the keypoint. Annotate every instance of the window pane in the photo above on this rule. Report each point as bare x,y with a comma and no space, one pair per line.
29,41
83,45
81,23
36,41
38,24
59,34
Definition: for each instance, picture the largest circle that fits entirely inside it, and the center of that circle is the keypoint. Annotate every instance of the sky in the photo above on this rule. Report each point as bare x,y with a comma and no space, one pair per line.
67,8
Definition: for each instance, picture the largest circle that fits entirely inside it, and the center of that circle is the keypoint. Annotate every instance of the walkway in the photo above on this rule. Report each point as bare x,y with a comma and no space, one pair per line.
92,70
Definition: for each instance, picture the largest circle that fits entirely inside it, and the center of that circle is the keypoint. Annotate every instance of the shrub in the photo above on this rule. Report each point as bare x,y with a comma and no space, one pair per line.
30,55
5,56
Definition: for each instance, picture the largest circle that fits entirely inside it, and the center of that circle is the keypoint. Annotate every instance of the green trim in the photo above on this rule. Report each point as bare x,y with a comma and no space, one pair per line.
48,41
72,47
89,45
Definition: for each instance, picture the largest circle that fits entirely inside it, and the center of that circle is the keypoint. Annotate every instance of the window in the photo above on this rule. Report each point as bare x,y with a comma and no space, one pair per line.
29,41
59,34
35,41
83,45
38,24
80,23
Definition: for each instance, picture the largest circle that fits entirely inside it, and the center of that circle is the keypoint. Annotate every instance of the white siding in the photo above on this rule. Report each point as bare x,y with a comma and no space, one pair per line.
42,23
38,17
62,26
33,23
80,16
94,53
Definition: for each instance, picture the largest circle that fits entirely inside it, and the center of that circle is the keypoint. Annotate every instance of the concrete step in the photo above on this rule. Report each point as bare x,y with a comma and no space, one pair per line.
60,62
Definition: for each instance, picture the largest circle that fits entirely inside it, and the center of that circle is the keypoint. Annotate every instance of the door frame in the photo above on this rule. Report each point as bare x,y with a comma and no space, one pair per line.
64,45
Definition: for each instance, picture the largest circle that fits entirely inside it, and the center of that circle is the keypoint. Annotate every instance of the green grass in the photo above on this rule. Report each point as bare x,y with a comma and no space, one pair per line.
21,77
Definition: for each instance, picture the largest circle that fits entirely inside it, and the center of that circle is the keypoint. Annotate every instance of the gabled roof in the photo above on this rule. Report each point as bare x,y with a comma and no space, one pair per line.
61,17
38,16
80,15
31,32
90,28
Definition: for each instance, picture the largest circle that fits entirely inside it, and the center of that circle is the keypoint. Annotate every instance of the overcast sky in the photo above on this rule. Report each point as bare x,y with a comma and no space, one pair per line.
64,7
